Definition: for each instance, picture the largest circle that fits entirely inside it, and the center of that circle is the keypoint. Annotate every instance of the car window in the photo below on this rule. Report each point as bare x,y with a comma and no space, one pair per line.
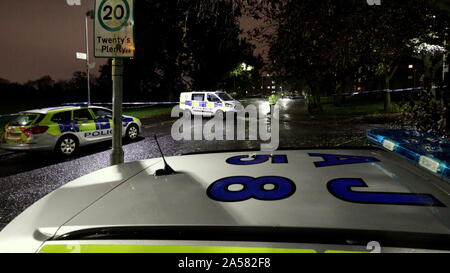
198,97
102,113
82,114
224,96
62,117
22,120
213,98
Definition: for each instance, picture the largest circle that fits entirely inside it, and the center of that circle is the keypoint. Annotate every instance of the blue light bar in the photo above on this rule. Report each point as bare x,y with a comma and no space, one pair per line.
425,150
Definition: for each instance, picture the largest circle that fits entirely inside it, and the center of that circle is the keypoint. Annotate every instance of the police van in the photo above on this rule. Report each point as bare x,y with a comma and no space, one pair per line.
208,103
63,129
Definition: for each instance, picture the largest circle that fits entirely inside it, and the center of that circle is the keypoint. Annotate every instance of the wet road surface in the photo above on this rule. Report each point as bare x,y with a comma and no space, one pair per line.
25,178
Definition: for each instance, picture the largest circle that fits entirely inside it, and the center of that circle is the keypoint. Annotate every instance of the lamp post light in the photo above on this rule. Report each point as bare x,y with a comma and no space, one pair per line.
414,74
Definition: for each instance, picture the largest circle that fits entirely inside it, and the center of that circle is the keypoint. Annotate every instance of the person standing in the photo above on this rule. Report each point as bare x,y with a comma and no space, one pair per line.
272,102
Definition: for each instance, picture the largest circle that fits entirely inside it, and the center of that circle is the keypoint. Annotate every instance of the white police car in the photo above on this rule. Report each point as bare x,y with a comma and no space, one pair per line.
63,129
291,201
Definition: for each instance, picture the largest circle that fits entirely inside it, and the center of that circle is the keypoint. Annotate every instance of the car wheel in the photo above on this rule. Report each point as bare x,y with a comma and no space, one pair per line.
67,146
132,132
220,112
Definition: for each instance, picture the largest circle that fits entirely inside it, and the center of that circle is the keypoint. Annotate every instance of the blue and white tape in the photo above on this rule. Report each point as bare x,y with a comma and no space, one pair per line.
125,103
390,90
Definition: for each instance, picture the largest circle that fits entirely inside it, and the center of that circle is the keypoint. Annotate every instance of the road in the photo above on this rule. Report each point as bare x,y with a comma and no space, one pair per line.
25,178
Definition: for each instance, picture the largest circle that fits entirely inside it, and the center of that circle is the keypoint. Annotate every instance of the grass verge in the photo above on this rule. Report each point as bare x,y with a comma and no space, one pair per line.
356,106
354,109
148,112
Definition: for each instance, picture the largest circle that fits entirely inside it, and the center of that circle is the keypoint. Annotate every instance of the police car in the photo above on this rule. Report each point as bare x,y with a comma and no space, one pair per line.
289,201
63,129
208,103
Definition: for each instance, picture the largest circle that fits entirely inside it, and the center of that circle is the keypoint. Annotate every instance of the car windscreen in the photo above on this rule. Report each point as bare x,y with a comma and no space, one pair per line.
23,119
224,96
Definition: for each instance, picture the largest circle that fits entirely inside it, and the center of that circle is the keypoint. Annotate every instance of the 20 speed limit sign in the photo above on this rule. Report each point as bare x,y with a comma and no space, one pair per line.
114,29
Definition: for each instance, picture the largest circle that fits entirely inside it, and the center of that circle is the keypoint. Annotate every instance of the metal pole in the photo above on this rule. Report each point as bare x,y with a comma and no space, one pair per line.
87,61
444,59
117,77
444,90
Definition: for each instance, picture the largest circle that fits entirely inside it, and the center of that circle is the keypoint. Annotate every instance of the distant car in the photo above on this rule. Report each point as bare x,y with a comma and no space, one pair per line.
208,103
287,201
63,129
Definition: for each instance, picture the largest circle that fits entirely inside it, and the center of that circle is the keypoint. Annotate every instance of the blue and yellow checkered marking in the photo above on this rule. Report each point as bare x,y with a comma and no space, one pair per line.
70,126
102,124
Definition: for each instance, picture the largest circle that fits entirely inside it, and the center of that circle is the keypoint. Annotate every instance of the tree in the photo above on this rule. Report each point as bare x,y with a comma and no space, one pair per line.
315,43
213,42
181,45
243,79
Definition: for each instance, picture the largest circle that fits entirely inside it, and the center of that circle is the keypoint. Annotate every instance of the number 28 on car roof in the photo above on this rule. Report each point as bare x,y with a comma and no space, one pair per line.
271,188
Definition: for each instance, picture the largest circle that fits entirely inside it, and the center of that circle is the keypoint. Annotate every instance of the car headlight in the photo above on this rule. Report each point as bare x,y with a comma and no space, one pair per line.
229,105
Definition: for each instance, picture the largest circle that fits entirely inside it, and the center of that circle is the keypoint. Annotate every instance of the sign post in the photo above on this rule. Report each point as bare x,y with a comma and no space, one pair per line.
114,38
117,156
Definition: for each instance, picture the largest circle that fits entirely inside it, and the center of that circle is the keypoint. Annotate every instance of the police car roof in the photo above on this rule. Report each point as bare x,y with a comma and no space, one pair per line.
345,189
57,109
183,199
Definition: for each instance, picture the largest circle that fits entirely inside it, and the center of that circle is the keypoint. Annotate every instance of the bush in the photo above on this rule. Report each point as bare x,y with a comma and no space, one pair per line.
425,113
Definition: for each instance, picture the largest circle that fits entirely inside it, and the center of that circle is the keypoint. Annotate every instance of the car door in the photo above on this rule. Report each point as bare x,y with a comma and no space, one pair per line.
87,130
213,103
103,122
198,103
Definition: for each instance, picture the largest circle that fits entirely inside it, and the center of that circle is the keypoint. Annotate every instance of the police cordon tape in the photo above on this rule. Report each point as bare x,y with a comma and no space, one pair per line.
133,104
125,104
390,90
146,104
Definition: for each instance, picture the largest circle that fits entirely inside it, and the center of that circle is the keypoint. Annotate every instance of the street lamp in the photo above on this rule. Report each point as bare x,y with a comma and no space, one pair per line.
414,75
89,14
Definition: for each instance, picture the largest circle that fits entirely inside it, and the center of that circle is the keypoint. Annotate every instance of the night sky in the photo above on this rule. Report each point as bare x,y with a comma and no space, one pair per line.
41,37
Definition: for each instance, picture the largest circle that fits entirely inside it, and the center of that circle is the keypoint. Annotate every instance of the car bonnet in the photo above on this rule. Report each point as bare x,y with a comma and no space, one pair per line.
331,189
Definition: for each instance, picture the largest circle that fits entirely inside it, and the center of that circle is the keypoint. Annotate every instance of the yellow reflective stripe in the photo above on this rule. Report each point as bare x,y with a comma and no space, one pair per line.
86,126
53,129
164,249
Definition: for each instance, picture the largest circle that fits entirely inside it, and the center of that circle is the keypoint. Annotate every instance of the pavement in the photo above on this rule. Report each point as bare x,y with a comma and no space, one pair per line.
27,177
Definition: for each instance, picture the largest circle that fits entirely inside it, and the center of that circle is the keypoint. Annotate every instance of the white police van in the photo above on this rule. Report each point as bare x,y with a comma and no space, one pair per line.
208,103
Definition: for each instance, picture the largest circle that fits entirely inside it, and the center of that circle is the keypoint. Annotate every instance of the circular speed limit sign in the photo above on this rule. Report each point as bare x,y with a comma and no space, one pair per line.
113,15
